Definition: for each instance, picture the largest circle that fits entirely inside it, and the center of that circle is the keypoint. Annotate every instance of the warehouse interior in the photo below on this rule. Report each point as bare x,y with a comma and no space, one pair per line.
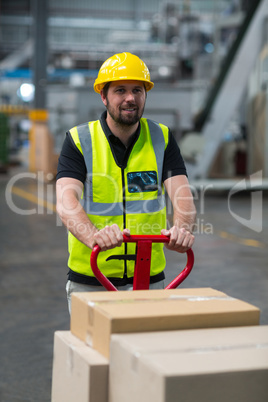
208,60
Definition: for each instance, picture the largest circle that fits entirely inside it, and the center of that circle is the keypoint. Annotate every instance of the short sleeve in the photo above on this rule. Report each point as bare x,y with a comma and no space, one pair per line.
173,161
71,162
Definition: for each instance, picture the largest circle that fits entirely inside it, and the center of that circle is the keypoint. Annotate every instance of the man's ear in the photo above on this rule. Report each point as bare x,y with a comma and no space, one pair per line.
103,97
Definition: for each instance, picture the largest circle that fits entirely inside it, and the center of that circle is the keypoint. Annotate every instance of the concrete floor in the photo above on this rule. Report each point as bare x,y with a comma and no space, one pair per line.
33,252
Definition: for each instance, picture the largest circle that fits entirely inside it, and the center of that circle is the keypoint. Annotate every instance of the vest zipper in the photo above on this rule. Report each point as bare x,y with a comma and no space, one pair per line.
124,216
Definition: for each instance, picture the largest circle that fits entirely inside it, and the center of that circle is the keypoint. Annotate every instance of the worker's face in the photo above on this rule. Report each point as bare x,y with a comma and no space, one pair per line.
125,101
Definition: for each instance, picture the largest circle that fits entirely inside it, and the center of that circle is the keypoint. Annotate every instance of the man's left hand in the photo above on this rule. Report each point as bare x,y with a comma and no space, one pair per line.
180,239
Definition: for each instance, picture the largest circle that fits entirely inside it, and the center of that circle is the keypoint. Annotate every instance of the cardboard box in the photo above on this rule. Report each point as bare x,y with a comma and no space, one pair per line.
79,372
95,316
41,153
206,365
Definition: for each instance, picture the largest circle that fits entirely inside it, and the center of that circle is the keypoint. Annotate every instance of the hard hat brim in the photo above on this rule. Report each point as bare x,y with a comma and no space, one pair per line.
99,86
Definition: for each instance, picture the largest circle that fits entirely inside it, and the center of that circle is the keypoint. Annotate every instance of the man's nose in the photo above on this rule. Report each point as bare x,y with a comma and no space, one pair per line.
130,96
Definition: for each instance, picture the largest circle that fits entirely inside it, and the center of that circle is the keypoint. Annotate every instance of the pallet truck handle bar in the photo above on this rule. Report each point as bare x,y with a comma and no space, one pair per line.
135,239
151,238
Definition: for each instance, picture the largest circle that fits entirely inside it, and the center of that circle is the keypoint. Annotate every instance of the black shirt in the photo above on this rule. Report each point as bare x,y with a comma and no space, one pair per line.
72,164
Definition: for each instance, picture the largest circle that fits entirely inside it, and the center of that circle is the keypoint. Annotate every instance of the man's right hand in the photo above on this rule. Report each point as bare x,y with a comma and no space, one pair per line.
109,237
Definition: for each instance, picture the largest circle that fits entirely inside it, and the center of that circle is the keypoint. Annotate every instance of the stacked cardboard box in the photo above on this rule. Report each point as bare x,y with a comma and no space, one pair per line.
95,316
79,372
81,356
206,365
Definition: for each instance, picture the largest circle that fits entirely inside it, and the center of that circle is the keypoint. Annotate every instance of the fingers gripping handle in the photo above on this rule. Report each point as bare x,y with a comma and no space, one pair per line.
136,239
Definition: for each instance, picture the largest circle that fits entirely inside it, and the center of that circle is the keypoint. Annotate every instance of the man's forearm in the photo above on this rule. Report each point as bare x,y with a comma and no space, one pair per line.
184,211
76,220
81,227
185,216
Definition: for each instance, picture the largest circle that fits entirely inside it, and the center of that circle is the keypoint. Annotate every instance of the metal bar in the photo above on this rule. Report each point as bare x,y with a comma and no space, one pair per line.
141,279
40,52
143,261
184,273
99,275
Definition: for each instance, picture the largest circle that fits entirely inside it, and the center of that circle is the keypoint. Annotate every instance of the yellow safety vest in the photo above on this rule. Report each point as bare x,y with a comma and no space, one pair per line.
132,197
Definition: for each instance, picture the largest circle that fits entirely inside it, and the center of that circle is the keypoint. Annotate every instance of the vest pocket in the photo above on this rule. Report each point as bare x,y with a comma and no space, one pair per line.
139,182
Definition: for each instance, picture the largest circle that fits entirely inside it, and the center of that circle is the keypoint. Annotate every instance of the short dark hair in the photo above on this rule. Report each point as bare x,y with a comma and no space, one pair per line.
105,89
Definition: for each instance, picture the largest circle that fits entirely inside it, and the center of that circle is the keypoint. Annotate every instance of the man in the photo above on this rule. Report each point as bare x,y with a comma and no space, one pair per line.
111,181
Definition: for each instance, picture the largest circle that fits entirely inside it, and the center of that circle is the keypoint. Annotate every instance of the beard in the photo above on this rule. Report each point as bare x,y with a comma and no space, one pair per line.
124,119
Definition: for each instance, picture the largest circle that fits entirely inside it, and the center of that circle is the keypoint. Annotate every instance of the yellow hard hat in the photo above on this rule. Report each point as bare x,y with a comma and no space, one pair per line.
123,66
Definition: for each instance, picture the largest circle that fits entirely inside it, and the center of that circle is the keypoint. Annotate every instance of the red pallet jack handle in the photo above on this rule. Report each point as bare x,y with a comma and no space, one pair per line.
141,280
